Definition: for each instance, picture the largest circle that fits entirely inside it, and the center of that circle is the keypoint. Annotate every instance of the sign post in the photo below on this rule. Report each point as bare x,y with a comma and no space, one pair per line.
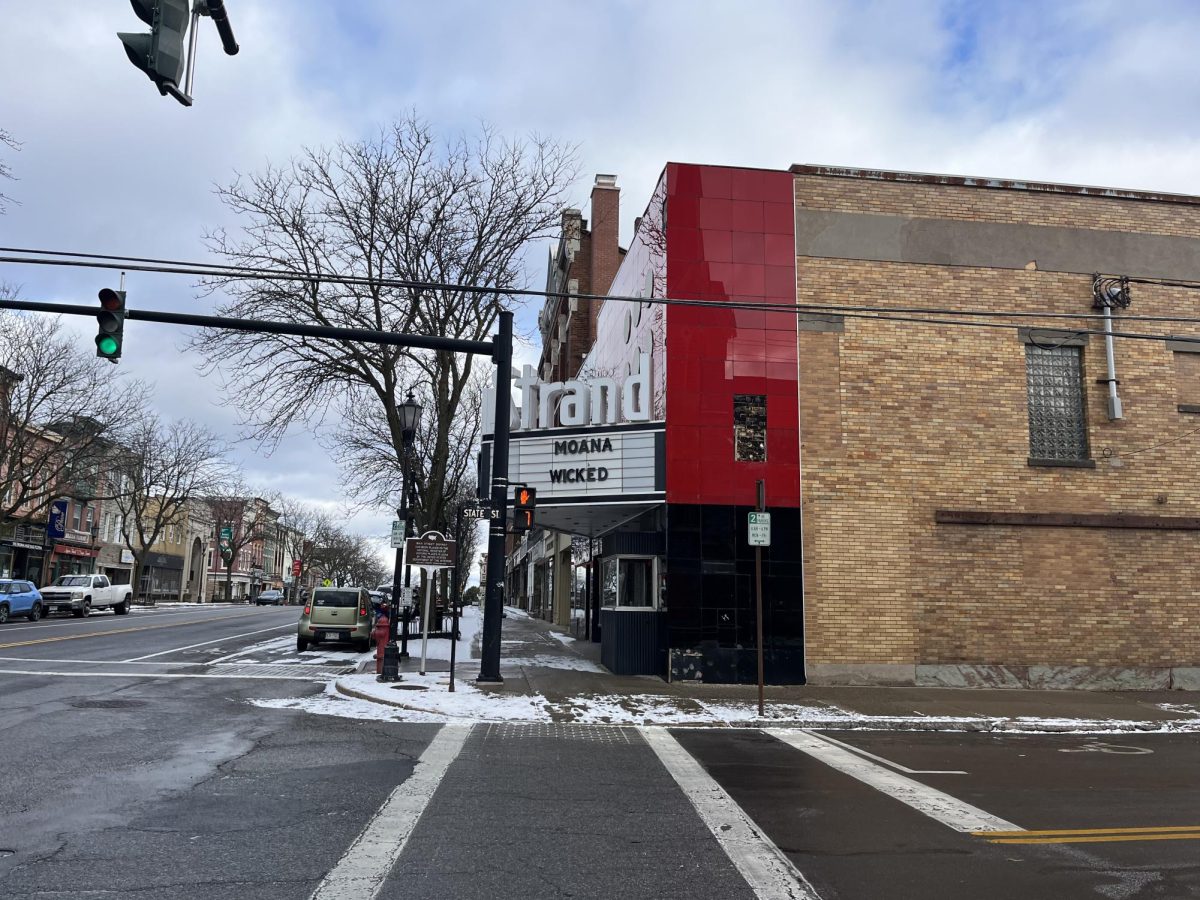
758,534
430,552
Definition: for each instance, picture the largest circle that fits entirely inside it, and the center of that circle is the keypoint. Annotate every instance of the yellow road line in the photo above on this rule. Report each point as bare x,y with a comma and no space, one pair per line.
1065,832
88,634
1100,838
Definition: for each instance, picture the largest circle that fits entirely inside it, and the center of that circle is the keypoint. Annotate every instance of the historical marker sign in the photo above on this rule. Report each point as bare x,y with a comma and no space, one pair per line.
431,551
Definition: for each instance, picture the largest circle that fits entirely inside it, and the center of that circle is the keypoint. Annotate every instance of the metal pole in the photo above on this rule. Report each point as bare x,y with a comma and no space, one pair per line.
762,507
489,669
191,57
425,617
454,598
408,530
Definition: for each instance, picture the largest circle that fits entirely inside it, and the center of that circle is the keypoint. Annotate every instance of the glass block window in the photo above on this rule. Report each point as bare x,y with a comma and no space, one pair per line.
1057,420
750,427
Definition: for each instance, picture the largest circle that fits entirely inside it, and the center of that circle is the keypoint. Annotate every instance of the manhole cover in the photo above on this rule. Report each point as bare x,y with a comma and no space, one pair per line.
107,704
408,687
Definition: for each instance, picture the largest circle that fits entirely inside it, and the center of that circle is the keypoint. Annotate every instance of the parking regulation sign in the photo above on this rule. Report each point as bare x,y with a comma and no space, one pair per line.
758,529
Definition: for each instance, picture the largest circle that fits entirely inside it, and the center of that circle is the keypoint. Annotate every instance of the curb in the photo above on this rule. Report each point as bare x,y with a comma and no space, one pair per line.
981,724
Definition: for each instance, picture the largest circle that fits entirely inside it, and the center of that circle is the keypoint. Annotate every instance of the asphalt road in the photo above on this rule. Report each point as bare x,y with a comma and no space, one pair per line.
136,766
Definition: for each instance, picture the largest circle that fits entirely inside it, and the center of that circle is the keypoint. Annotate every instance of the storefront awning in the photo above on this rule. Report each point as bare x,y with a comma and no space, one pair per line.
591,519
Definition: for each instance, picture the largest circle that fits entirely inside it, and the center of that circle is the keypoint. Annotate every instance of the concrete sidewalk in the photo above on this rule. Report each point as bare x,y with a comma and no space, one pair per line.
547,670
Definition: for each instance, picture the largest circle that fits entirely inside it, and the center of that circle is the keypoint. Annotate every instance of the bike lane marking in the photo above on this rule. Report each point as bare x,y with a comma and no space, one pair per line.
940,806
364,867
770,874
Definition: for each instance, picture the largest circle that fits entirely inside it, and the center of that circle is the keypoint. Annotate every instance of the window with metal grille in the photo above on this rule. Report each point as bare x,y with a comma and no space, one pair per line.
1057,418
750,427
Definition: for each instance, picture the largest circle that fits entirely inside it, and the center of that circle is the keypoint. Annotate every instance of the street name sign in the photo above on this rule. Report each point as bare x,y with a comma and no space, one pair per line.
758,529
431,551
481,512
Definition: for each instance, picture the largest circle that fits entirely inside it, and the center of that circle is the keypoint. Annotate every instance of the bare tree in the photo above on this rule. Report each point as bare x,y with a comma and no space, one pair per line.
159,469
239,519
61,412
403,205
7,140
304,528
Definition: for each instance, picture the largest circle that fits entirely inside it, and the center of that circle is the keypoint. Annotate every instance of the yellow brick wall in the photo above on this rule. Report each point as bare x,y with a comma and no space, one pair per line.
898,420
996,205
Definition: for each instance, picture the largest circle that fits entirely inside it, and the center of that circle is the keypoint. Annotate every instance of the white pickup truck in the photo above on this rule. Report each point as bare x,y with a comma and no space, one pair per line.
82,593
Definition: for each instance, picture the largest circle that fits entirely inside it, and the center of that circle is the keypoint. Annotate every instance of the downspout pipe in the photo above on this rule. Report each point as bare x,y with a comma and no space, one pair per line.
1107,295
1114,401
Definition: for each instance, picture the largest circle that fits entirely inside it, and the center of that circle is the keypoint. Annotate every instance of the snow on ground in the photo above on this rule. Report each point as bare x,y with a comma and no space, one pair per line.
517,613
562,638
569,663
426,699
469,624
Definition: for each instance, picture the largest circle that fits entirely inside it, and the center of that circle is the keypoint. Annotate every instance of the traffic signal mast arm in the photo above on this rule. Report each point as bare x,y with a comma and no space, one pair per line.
389,338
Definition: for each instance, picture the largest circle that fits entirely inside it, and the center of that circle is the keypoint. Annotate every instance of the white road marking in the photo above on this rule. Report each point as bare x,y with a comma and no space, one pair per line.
229,637
273,644
227,677
887,762
362,870
950,811
93,619
769,873
89,662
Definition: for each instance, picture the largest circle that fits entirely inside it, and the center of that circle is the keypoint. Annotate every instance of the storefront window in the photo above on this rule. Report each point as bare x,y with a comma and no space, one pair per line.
628,581
608,583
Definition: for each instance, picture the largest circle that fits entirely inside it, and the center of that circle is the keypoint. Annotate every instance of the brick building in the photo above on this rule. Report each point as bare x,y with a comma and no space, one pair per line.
584,261
951,504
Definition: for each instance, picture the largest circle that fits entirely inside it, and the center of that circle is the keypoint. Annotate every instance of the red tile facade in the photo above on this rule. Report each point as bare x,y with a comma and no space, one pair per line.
729,235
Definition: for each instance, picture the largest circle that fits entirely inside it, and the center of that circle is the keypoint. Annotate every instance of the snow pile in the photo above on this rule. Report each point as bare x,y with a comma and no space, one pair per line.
426,699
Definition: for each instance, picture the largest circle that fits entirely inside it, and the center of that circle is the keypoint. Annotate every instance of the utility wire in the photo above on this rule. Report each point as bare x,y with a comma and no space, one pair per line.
232,272
918,315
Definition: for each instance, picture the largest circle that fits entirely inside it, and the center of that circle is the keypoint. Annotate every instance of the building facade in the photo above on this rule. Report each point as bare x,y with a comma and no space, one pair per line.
541,571
956,498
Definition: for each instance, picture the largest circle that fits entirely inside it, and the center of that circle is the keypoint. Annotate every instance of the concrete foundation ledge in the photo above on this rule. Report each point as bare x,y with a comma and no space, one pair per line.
1036,677
860,674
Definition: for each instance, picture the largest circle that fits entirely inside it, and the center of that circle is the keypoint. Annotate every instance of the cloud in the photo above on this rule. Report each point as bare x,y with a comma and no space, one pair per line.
1091,92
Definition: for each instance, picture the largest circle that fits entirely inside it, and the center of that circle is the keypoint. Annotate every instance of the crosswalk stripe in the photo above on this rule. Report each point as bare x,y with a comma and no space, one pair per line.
362,870
940,806
769,873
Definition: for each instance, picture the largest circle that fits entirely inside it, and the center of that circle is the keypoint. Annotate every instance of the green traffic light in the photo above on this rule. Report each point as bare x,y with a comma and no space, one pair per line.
107,345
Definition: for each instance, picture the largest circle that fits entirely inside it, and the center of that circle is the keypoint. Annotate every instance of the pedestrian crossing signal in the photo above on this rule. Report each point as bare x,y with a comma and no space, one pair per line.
524,500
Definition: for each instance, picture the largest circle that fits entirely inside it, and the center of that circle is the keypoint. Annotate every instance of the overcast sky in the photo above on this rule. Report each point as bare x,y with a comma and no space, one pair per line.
1091,92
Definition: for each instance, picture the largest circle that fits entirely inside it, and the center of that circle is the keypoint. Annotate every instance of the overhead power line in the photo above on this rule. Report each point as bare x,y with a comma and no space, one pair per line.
911,315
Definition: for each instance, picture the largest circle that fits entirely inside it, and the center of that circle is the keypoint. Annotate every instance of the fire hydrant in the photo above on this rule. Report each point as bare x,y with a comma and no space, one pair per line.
382,626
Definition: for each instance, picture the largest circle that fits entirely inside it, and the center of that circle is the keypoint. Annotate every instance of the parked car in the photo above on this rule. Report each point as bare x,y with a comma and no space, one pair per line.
270,597
82,593
19,598
336,614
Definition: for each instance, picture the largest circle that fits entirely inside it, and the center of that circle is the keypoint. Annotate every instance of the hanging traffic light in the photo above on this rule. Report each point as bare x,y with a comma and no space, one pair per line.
524,501
160,54
111,322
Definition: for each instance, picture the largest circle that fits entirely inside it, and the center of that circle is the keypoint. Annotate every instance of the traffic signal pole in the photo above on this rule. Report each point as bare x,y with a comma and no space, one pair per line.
493,608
